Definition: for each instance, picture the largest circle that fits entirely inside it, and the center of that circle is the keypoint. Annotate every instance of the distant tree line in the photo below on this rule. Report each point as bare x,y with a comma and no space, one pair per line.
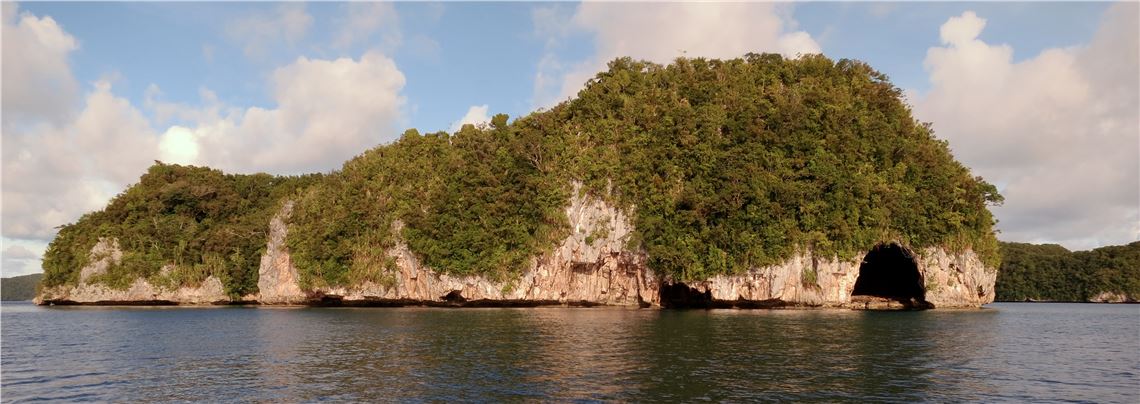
1049,272
19,287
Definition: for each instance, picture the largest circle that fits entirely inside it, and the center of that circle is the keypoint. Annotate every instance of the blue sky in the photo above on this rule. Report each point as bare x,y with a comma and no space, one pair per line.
485,53
1036,97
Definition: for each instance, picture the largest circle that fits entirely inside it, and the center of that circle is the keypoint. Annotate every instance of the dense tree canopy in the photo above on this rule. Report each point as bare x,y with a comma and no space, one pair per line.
722,166
1050,272
199,220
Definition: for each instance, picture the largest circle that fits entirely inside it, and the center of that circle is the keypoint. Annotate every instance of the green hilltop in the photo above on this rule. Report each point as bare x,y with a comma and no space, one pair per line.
722,165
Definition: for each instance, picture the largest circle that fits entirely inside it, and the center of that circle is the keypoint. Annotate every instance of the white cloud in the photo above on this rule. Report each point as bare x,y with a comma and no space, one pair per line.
961,30
163,112
19,252
179,145
476,115
287,24
660,32
327,111
20,258
365,22
53,175
1058,133
38,84
52,172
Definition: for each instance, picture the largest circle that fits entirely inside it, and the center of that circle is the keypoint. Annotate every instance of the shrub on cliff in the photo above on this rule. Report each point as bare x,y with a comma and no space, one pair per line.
722,165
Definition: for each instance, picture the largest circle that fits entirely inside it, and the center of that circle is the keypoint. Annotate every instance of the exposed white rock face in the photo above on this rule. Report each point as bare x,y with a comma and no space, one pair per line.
105,253
788,283
589,267
951,281
210,291
277,278
956,280
1111,297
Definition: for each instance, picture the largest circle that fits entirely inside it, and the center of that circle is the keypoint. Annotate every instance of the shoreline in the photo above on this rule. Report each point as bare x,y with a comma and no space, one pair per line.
873,305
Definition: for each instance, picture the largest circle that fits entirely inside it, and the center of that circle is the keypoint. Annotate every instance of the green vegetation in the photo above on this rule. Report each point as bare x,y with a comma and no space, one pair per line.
722,166
733,164
472,203
1050,272
199,220
19,287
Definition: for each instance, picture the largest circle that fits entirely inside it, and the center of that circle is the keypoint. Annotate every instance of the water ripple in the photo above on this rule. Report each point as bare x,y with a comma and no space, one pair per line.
1020,352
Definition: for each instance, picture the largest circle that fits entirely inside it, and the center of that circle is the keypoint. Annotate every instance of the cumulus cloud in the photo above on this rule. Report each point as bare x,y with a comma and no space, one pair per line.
38,85
19,260
54,174
476,115
163,112
1058,133
179,145
54,170
259,33
660,32
327,111
19,252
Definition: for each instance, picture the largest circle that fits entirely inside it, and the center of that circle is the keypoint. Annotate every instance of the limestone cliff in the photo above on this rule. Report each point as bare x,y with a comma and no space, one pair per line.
106,253
1112,297
590,267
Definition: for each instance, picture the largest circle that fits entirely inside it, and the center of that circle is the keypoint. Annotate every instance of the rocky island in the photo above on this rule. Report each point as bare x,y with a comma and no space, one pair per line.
753,182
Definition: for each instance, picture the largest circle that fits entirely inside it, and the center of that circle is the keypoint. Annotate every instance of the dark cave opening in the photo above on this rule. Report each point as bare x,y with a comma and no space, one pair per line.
889,271
680,296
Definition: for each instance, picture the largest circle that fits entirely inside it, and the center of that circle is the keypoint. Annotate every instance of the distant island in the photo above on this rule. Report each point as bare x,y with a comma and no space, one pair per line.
753,182
19,287
1049,272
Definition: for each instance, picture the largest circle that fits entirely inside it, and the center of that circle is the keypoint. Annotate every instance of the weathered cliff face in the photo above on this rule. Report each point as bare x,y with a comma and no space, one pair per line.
951,281
787,283
590,267
276,276
106,253
956,280
1112,297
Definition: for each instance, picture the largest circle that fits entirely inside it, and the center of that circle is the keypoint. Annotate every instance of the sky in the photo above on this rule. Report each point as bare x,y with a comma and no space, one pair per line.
1041,99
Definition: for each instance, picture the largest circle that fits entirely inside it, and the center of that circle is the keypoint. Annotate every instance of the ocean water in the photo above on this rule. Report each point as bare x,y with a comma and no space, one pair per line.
1006,352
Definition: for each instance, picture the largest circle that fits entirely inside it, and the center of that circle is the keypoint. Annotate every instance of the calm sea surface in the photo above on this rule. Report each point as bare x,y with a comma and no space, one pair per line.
1009,352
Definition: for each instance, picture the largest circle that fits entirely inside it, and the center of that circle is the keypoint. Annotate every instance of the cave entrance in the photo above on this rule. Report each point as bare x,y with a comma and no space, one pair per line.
889,271
681,296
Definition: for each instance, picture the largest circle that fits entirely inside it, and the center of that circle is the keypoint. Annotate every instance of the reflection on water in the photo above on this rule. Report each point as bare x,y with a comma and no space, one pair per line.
1010,352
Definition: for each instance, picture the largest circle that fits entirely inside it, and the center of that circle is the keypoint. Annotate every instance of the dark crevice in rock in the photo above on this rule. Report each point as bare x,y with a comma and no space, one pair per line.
329,300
